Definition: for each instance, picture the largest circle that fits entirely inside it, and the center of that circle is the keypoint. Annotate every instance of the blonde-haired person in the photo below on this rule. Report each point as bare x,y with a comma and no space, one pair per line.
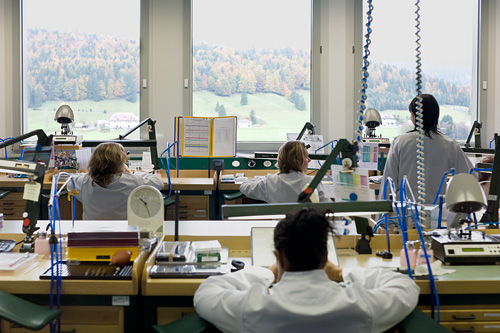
104,190
286,185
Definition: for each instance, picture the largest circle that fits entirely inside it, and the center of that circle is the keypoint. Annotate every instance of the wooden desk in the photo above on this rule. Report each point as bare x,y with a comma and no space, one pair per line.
470,288
88,305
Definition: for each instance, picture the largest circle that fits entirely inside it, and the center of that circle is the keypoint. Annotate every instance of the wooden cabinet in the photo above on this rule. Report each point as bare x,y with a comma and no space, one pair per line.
191,207
13,206
105,319
469,318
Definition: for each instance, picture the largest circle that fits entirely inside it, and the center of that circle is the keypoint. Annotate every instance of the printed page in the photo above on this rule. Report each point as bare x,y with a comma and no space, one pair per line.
195,136
224,137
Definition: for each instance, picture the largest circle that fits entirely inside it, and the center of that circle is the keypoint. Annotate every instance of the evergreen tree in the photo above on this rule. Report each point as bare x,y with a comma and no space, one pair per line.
244,99
253,117
222,111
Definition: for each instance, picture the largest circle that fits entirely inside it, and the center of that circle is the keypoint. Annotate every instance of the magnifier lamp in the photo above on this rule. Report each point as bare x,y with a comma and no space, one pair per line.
464,196
64,116
371,119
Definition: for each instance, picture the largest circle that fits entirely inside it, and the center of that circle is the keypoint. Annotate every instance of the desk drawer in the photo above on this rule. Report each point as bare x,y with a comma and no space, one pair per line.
105,319
475,327
470,315
12,213
188,214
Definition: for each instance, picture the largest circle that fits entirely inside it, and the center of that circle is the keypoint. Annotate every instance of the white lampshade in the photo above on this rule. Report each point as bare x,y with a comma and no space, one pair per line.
371,118
64,114
464,194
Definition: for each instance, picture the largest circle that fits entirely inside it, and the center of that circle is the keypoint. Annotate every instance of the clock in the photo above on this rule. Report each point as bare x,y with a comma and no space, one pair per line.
145,209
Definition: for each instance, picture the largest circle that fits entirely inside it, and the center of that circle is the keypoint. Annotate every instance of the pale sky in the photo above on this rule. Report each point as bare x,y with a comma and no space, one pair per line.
120,18
243,24
446,31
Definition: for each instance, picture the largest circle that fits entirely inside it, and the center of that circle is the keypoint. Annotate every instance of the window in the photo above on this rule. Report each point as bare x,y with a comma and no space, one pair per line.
84,54
252,59
449,47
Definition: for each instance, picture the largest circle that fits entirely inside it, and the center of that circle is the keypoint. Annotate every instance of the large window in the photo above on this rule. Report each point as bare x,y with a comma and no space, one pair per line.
84,54
449,47
252,59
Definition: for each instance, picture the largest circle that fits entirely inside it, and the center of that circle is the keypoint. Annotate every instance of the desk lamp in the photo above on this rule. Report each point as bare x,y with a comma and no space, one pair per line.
464,196
151,142
35,172
64,116
371,120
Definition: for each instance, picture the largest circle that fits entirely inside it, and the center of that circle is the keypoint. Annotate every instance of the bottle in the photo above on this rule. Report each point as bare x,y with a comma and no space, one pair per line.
421,255
42,245
410,247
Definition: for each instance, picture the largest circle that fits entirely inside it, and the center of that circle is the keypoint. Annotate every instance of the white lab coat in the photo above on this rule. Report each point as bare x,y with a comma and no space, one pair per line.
110,202
280,187
372,300
440,155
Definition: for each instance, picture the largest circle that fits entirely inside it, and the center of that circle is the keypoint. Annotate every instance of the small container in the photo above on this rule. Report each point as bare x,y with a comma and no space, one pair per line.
42,245
421,255
412,255
1,220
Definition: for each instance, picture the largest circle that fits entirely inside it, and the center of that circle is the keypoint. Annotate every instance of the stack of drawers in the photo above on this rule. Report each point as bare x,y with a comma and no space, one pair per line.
13,206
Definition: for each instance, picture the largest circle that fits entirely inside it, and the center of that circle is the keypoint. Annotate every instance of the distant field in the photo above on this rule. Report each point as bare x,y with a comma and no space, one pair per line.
392,132
43,117
276,116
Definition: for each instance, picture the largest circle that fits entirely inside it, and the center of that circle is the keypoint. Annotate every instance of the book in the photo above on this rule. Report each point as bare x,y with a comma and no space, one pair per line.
205,136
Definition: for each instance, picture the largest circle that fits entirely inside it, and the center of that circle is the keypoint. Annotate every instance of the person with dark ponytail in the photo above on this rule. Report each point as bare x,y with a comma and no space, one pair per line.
304,291
440,153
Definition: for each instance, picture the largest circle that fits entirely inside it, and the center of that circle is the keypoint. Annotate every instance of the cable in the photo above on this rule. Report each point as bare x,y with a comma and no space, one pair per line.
419,121
364,71
452,172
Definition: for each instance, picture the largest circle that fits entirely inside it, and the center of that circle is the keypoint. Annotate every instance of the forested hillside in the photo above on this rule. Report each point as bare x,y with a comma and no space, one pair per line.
77,66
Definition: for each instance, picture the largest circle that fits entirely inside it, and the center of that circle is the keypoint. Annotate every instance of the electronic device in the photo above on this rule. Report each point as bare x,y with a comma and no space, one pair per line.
64,139
466,248
262,247
145,209
6,245
382,142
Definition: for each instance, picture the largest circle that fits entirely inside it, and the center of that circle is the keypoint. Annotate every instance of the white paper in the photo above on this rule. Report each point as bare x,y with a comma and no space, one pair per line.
368,155
32,191
224,138
83,158
351,186
196,136
146,161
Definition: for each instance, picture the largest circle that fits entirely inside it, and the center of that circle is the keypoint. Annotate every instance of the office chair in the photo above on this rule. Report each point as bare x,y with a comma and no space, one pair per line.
192,323
24,313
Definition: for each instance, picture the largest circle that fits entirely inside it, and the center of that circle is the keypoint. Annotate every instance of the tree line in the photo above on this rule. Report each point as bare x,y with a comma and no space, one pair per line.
74,66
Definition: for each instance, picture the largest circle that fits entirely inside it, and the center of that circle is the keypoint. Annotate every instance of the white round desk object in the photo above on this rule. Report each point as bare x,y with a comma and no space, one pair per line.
145,208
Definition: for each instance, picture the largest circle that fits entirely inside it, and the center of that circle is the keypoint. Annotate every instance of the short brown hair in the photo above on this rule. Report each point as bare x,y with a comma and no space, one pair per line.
291,156
106,161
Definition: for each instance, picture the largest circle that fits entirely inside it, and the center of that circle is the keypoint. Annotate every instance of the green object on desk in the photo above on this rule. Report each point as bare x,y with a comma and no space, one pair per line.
192,323
26,314
233,196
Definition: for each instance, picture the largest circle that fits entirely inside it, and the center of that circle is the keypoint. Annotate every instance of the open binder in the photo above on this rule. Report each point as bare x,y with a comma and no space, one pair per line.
205,136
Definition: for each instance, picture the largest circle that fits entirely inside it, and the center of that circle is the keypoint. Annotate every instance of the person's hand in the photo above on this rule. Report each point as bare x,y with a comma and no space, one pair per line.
333,271
274,269
126,169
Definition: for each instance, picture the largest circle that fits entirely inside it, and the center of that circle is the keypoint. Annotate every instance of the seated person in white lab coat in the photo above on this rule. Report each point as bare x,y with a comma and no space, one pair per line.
310,293
104,190
289,182
440,153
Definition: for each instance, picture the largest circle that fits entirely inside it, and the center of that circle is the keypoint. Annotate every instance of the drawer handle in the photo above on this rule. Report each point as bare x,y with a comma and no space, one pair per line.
7,203
472,329
471,317
9,209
